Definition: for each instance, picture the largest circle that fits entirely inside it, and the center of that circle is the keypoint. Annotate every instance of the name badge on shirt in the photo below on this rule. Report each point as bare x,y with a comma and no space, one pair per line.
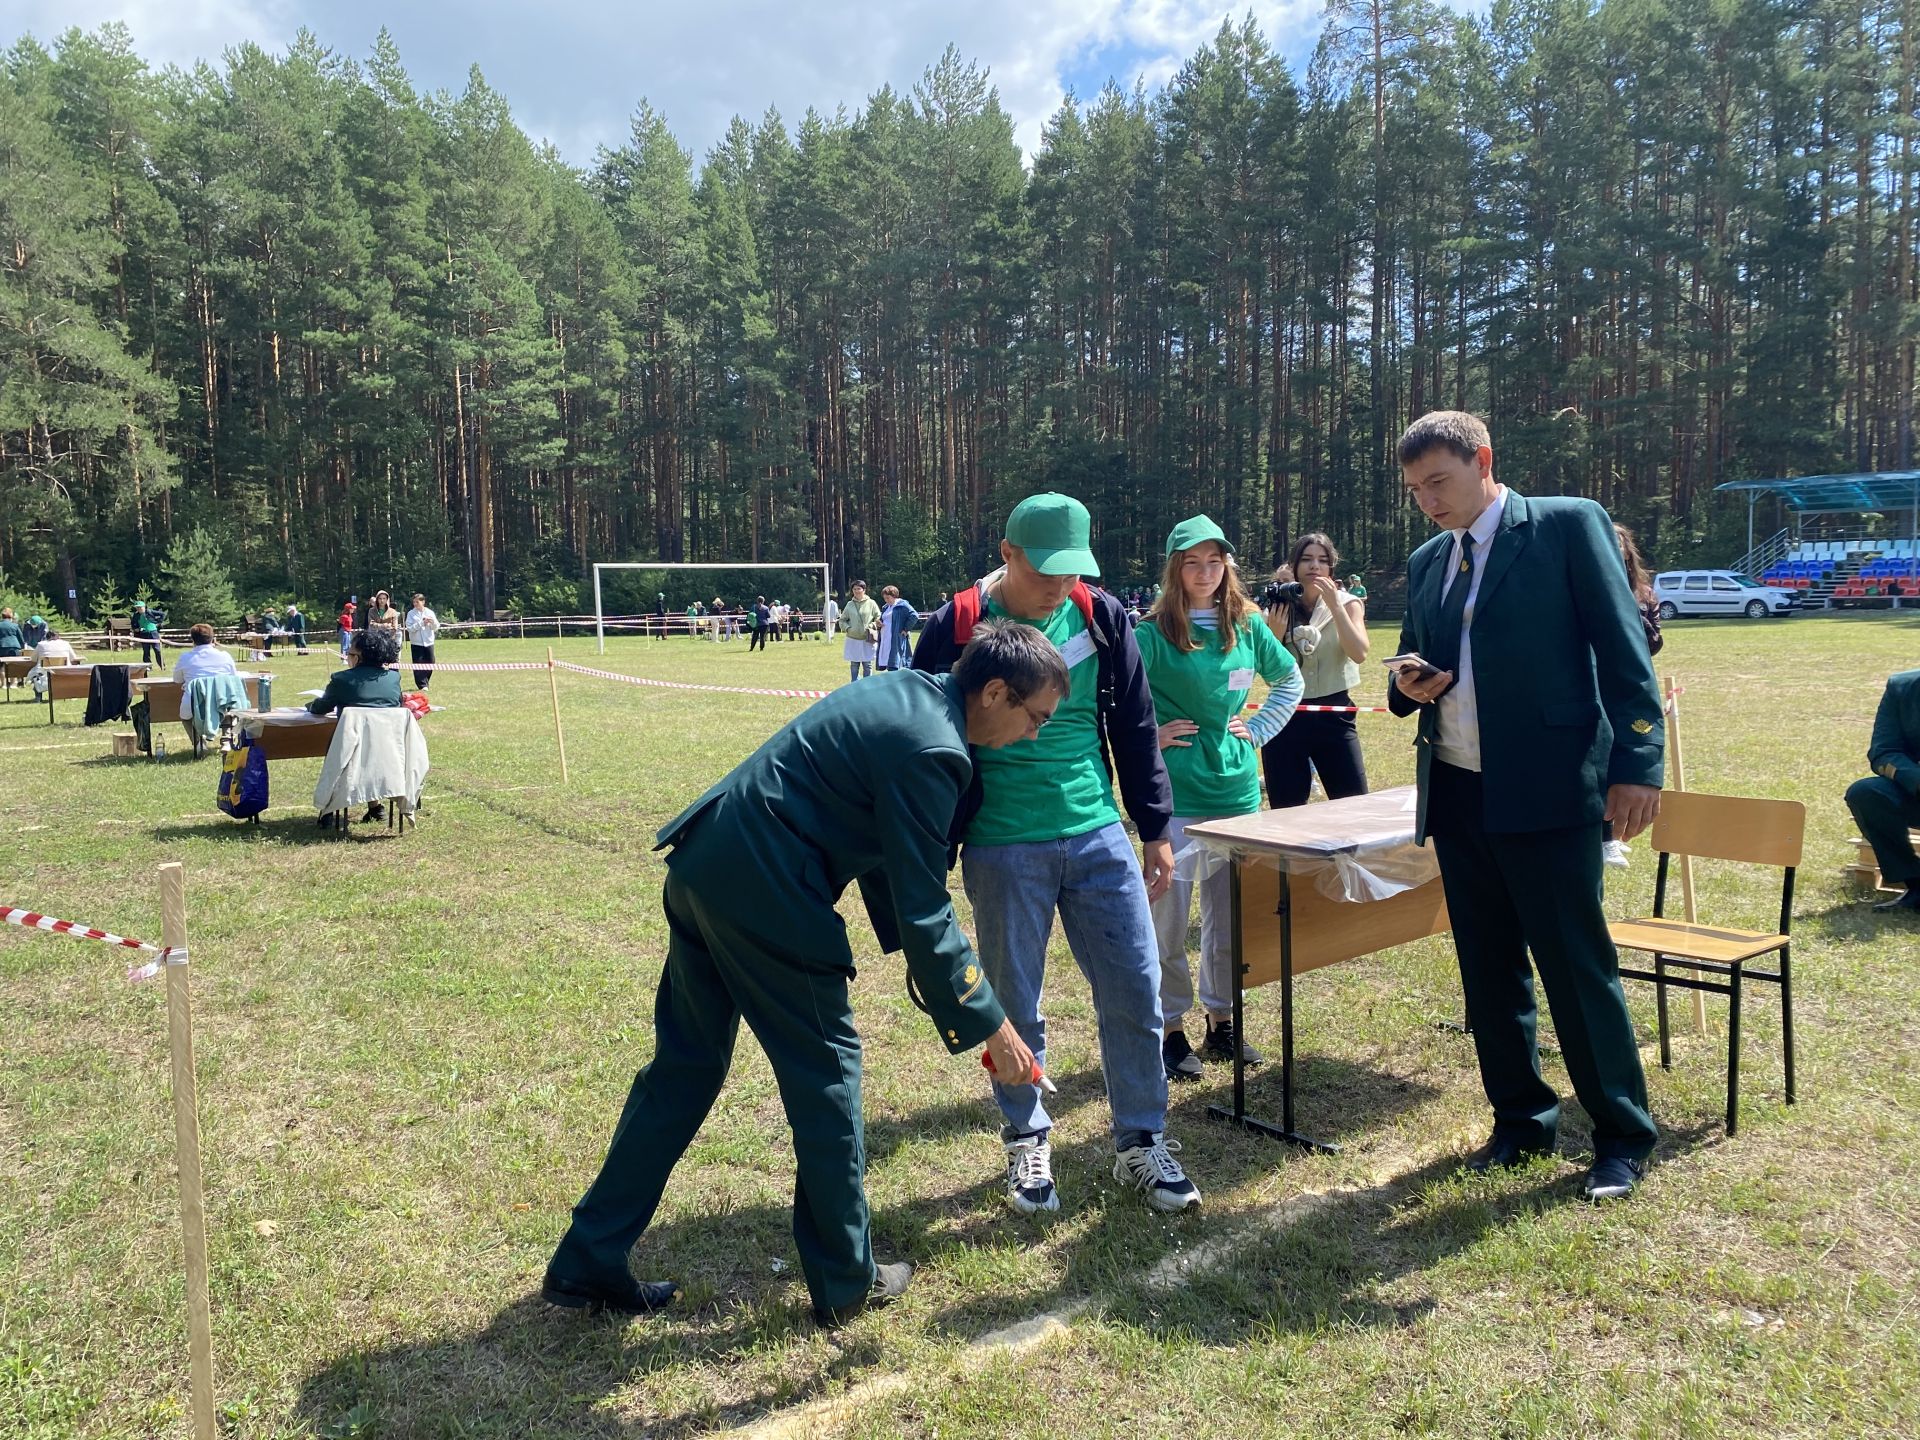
1079,648
1240,680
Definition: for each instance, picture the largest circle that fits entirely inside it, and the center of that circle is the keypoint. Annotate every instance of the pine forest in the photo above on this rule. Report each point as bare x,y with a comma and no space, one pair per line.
290,315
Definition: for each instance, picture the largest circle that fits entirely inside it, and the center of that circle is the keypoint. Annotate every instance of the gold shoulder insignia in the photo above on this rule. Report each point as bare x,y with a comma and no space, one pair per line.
1643,727
972,973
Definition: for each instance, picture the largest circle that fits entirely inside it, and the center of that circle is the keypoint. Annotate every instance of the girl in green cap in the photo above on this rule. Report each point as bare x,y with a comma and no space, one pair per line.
1203,642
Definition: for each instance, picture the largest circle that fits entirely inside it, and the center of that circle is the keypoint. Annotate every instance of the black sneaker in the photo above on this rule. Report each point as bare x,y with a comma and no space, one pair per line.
375,812
1182,1063
889,1284
1219,1043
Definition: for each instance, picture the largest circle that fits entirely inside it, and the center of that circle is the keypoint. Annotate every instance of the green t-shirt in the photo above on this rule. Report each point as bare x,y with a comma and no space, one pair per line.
1055,785
1216,773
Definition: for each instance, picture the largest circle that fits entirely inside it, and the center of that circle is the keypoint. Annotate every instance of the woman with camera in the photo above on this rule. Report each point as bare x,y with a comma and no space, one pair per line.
1324,627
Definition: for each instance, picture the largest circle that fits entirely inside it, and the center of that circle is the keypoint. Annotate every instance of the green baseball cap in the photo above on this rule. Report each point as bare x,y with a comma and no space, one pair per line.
1054,531
1196,530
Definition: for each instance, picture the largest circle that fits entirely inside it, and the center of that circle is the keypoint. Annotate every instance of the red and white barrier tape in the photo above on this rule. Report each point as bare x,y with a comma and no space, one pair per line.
686,685
475,666
169,954
1341,710
1672,696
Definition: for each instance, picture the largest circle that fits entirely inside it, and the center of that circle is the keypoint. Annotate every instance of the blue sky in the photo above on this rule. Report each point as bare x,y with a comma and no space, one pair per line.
573,72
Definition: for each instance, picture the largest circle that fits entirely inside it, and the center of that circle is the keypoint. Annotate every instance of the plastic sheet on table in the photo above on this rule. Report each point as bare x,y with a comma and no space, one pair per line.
1359,849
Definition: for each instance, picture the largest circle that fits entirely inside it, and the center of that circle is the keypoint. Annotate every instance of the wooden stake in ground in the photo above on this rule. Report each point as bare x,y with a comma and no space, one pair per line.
553,680
186,1141
1678,781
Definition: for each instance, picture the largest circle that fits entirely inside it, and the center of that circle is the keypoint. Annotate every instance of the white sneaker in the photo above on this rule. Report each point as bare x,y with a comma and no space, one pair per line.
1030,1175
1152,1170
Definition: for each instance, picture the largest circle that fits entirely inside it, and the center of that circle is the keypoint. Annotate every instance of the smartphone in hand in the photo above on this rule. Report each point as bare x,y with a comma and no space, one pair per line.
1411,665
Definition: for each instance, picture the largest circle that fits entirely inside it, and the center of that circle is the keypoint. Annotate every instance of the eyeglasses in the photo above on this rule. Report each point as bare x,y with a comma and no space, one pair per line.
1037,720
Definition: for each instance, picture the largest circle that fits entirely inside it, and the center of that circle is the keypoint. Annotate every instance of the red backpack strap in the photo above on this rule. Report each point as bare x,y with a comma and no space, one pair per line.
1082,599
966,614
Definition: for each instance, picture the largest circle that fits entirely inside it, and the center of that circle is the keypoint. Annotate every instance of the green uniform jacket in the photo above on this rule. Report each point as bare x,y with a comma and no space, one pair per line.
861,786
365,685
11,637
1896,733
1563,684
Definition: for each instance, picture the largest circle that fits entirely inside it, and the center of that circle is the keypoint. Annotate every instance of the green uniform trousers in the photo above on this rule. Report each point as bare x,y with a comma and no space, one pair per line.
794,999
1538,891
1885,811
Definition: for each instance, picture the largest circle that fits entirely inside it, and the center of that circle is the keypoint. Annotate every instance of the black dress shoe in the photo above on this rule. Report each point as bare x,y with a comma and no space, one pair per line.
1908,901
635,1297
1503,1153
1613,1178
889,1284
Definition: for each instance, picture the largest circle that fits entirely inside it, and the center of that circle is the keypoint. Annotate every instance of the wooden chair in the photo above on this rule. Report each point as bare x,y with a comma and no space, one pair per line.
1746,831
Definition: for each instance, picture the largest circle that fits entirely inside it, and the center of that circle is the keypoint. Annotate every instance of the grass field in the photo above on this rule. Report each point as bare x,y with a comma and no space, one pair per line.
412,1052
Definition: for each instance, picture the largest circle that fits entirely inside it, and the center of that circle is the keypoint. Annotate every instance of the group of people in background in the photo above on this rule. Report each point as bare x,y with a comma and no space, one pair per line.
420,625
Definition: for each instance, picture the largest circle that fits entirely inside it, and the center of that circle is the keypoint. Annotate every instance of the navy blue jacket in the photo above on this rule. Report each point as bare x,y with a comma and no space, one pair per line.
1129,734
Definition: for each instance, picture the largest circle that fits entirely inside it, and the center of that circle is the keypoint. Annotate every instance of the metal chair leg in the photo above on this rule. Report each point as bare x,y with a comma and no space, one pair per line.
1660,993
1733,1052
1786,1012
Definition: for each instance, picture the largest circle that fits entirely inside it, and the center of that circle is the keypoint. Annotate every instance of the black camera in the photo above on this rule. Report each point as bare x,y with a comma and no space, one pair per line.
1281,592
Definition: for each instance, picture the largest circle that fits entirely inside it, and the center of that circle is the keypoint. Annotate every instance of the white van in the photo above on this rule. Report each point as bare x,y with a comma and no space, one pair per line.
1719,592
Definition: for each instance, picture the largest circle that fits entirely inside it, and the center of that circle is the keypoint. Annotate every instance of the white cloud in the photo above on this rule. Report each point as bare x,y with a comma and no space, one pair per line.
165,32
574,72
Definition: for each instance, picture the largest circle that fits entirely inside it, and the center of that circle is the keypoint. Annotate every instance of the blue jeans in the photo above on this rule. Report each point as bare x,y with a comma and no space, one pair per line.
1093,880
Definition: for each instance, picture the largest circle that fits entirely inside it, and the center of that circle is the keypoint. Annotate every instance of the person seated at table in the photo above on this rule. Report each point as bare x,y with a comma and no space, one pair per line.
201,657
369,683
54,647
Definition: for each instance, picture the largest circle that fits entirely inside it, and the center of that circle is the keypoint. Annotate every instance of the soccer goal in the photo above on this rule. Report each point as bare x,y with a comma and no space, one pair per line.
599,610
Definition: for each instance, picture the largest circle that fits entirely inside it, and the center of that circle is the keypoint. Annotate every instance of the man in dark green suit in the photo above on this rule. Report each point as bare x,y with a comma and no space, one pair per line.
1886,804
861,787
1539,719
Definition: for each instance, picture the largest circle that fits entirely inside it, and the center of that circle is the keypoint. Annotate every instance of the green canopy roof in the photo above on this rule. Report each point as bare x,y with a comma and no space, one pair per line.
1838,494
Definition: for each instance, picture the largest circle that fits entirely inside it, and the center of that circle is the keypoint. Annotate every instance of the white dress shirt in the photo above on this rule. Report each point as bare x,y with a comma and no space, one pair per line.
197,660
1458,739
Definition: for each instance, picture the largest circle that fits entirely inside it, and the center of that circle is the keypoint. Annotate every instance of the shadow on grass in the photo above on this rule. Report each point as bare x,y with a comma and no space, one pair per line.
534,1370
539,1371
300,829
606,836
1340,1258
